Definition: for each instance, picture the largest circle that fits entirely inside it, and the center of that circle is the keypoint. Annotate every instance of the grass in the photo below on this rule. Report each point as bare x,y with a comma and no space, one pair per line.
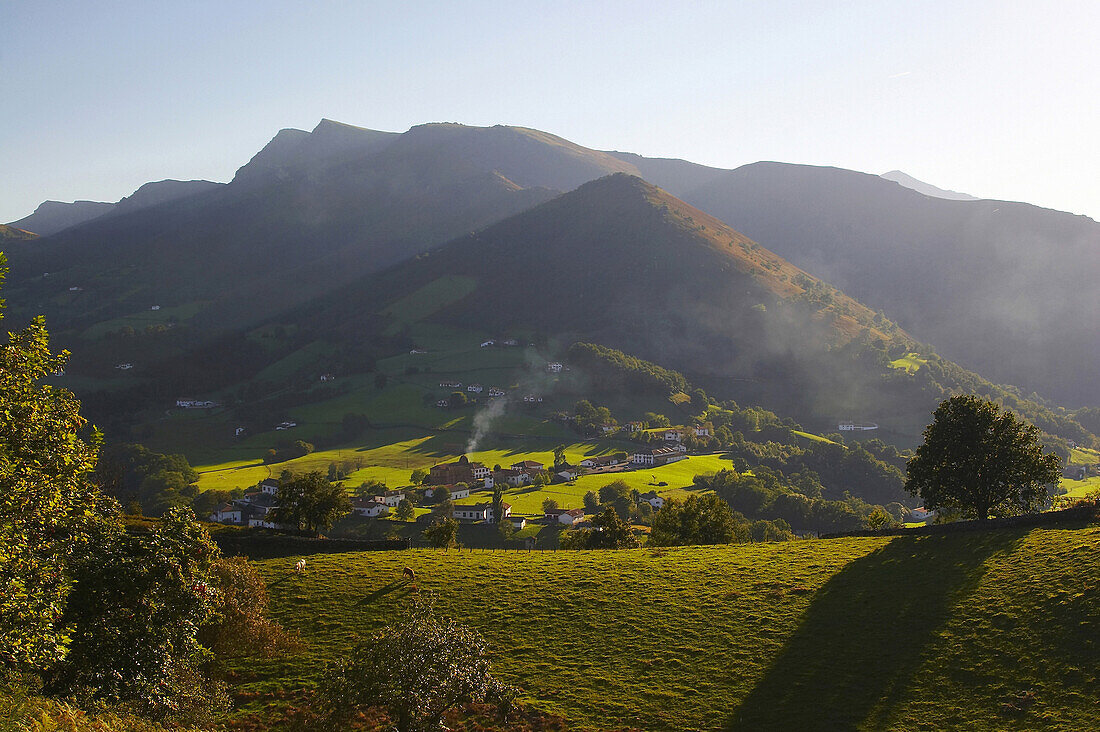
812,437
430,298
1083,456
978,631
911,362
142,318
1080,488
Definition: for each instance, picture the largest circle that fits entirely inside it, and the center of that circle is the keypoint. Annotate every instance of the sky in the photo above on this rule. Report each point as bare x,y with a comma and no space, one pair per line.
998,99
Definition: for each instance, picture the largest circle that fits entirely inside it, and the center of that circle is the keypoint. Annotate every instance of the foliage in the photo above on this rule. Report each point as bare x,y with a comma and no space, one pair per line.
443,534
310,502
48,508
238,624
977,459
135,610
158,482
418,668
405,510
705,519
549,504
419,476
609,532
611,369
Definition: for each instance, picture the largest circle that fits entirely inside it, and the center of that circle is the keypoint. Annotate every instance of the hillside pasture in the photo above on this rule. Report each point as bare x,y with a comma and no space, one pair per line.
978,631
910,362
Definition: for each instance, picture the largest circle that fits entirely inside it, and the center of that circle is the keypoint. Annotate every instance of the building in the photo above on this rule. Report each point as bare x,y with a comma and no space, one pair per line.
486,344
654,500
238,431
450,385
532,399
327,377
554,367
672,435
527,466
657,456
514,478
369,507
566,473
856,426
195,403
480,512
475,388
567,516
392,498
155,307
601,461
518,522
227,514
286,425
701,430
495,391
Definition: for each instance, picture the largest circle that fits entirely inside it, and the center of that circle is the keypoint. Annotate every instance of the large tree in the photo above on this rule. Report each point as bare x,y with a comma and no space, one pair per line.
48,507
311,502
978,459
705,519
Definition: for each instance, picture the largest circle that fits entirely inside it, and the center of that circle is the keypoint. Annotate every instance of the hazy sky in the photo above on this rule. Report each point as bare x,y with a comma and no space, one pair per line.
999,99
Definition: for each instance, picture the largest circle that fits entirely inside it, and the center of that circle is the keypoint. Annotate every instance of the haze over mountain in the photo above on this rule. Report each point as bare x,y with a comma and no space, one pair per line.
999,287
1004,288
53,216
926,188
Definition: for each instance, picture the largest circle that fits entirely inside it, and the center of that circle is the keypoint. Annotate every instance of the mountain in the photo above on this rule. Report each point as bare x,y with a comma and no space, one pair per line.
165,191
1005,289
10,233
53,216
926,188
673,175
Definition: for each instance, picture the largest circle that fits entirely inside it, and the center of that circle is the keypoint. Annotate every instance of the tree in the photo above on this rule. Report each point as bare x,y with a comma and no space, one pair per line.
369,488
548,505
498,504
48,507
311,503
404,510
614,533
418,669
239,625
705,519
977,459
591,502
442,534
559,456
419,476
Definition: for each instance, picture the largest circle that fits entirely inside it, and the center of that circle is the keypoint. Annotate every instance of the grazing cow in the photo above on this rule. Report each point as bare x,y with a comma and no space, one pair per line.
409,574
300,566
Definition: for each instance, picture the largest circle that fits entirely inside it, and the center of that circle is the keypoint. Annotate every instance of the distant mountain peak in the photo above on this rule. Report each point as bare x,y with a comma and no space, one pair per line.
908,181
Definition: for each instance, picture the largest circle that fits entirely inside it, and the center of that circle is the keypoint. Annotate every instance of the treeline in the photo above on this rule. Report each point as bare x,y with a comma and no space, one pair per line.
613,370
144,481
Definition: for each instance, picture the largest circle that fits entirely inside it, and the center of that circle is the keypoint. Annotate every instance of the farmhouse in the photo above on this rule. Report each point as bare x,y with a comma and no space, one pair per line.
155,307
567,516
486,344
514,478
475,388
443,403
124,366
495,391
227,514
566,473
270,486
286,425
856,427
450,385
238,431
701,430
417,352
600,461
518,522
672,435
480,512
657,456
369,507
532,399
195,403
635,426
511,342
554,367
327,377
392,498
653,499
527,465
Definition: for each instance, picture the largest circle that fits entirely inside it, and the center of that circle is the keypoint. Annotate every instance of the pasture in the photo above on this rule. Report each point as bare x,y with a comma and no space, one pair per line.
978,631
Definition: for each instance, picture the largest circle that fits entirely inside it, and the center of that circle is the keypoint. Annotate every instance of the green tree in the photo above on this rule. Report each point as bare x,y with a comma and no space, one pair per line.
419,476
48,507
404,510
559,456
977,459
443,534
614,533
705,519
498,504
591,502
370,488
418,668
549,504
311,503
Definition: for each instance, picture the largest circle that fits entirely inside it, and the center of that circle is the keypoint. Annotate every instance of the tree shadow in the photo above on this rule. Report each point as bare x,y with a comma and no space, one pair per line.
865,634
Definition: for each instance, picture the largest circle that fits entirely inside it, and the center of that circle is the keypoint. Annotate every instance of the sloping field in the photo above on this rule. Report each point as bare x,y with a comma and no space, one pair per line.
981,631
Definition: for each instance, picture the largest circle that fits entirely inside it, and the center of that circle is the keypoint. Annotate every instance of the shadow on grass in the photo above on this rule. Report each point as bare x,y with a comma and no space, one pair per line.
864,635
383,591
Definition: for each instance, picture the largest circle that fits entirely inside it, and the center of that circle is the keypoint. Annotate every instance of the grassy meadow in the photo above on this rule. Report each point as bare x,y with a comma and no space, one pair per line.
980,631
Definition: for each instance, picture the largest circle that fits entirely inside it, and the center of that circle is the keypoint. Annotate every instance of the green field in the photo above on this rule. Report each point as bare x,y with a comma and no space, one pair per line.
911,362
1080,488
979,631
1083,456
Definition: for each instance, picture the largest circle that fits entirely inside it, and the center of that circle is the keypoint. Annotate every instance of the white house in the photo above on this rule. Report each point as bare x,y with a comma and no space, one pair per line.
527,466
567,472
286,425
495,392
155,307
391,498
328,377
124,366
195,403
921,514
518,522
475,388
238,432
673,435
655,501
601,461
532,399
227,514
270,486
457,493
369,507
567,516
856,427
486,344
479,471
511,343
450,385
75,289
701,431
658,456
480,512
514,478
554,367
417,352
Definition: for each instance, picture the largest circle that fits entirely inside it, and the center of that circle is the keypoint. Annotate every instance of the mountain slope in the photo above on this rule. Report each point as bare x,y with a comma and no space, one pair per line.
53,216
12,234
1003,288
927,189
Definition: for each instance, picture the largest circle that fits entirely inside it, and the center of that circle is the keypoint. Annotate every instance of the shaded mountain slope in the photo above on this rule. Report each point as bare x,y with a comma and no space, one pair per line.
904,179
1003,288
12,234
53,216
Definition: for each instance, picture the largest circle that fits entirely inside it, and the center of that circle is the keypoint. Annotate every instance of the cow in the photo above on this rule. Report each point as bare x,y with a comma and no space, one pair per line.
300,566
409,574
